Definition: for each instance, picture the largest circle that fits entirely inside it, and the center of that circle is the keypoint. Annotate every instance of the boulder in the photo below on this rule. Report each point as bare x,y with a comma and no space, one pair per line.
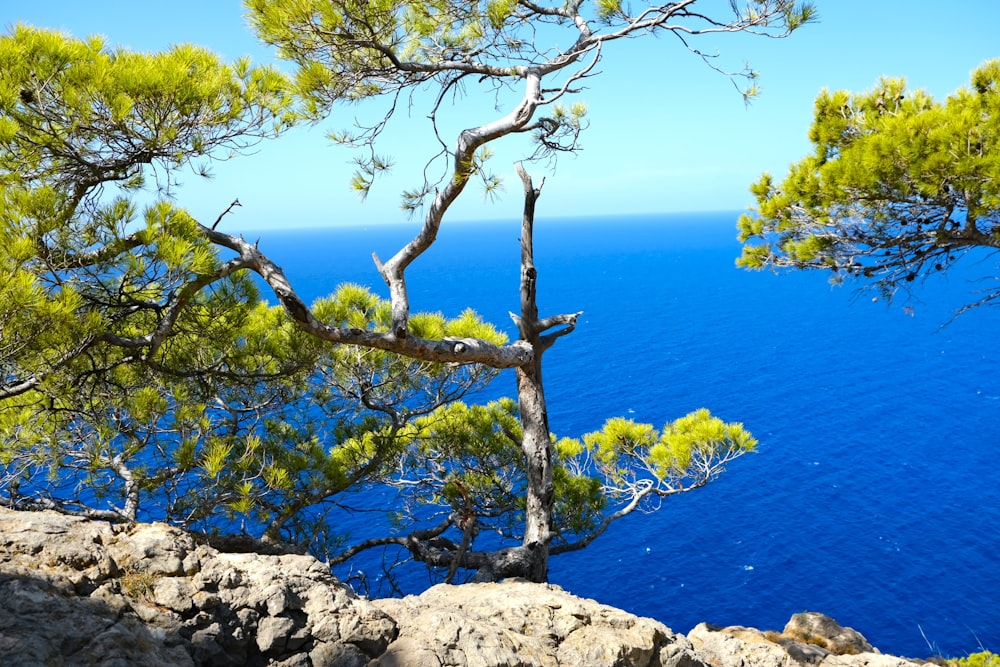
809,638
521,624
811,627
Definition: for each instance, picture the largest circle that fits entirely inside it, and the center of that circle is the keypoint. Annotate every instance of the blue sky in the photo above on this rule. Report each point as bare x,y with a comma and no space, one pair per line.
666,132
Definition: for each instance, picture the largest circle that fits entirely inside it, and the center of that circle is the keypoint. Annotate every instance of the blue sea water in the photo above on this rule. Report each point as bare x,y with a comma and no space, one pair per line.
873,497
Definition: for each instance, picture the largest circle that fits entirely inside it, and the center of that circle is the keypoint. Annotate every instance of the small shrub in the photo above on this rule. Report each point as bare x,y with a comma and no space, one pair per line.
981,659
811,639
138,585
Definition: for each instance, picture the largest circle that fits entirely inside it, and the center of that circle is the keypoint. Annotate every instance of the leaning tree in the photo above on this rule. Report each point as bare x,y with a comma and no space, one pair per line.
119,296
508,49
899,187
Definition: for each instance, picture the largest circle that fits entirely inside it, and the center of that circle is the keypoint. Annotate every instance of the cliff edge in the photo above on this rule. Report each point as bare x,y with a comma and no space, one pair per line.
81,592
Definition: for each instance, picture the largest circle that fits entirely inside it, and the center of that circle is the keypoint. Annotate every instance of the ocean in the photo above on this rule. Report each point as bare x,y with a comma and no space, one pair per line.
873,497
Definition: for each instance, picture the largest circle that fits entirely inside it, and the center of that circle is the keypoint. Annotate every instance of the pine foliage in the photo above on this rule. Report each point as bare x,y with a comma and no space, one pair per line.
899,187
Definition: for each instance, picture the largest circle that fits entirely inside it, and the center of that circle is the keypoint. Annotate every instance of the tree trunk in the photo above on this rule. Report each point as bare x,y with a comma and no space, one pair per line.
537,448
535,441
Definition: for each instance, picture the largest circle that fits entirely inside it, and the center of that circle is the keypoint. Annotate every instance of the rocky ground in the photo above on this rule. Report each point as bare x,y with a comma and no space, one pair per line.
78,592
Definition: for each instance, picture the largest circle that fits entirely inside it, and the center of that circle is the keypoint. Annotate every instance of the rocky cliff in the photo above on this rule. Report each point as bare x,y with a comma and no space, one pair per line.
78,592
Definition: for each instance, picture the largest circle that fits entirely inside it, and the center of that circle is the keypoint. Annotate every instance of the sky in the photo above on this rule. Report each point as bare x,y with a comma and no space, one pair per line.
666,133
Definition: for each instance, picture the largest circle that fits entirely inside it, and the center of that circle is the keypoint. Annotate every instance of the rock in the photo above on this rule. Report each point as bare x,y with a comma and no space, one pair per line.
154,548
79,592
736,647
809,638
43,624
55,547
814,628
273,633
522,624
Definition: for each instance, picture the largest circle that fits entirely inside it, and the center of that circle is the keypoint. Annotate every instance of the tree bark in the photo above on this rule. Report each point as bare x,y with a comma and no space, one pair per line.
535,441
537,448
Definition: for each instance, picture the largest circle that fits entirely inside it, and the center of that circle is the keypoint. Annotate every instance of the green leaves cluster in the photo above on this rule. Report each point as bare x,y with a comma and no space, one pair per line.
899,186
82,127
350,50
242,420
981,659
110,434
74,113
429,52
353,49
468,458
687,452
789,14
134,362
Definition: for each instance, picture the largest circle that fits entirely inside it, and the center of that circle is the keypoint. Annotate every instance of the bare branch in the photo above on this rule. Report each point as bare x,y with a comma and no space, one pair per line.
455,350
236,202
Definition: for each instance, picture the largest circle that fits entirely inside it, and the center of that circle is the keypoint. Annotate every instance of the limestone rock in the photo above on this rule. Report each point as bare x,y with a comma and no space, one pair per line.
79,592
44,624
809,638
58,548
814,628
521,624
736,646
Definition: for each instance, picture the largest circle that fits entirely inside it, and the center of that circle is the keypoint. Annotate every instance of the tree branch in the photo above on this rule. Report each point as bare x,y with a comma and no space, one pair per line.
454,350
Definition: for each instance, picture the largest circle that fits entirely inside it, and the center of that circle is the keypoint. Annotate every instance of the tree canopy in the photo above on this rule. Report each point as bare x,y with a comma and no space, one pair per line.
509,49
899,187
142,374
